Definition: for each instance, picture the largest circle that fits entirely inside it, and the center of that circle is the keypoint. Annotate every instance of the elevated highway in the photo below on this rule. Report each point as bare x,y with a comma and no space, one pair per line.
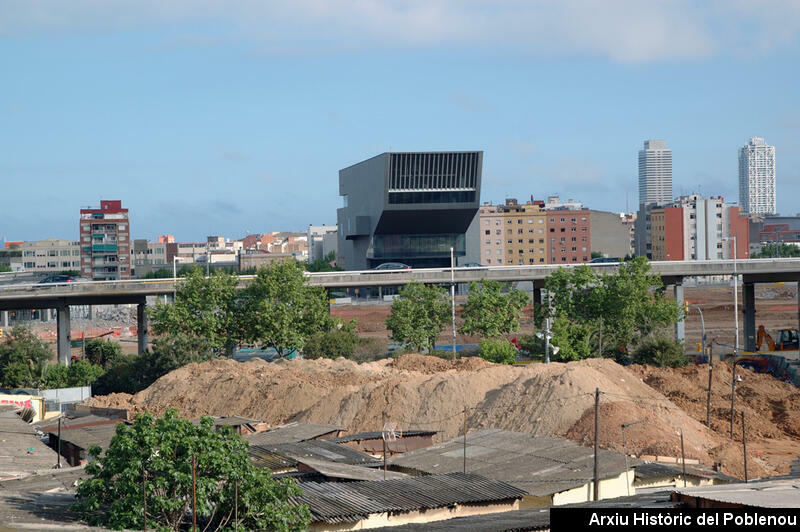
61,296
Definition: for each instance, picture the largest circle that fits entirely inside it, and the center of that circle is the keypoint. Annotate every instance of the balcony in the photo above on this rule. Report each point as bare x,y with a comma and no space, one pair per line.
104,248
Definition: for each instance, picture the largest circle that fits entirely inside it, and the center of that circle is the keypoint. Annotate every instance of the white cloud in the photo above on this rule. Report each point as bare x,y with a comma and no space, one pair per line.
623,30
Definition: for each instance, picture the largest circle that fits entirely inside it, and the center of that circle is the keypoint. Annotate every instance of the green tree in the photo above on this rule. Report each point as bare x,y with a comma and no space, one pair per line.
23,359
153,457
497,351
324,264
281,310
205,307
79,373
419,315
782,249
606,313
102,352
662,351
340,341
5,268
490,313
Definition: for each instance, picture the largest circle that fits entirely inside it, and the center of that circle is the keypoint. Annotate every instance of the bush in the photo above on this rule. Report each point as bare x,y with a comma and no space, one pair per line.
102,352
498,351
370,349
661,351
23,359
337,342
446,354
79,373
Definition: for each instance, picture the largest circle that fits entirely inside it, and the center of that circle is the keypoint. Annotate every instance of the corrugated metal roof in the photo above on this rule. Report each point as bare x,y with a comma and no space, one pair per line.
335,502
291,433
85,437
69,423
377,435
540,465
20,448
762,494
656,469
286,455
349,472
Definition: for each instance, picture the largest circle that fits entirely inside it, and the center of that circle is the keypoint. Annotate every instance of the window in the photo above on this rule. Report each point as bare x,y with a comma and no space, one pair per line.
510,252
552,219
530,220
509,231
488,232
530,230
573,239
486,222
52,253
563,239
64,253
520,262
531,261
519,231
519,221
508,221
541,240
497,222
563,219
498,232
509,242
541,260
583,229
530,241
29,264
574,248
573,229
52,264
487,242
120,227
519,241
573,220
552,230
66,264
584,250
563,229
488,261
29,254
499,252
497,242
488,251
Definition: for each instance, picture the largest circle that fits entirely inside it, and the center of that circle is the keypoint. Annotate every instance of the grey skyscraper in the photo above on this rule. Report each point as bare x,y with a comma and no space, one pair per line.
757,177
655,173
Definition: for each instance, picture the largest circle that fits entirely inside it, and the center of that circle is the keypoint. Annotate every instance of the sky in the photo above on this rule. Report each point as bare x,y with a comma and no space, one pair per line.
228,118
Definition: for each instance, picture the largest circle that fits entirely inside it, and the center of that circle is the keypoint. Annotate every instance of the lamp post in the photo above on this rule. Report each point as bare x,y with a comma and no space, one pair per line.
625,451
453,297
175,261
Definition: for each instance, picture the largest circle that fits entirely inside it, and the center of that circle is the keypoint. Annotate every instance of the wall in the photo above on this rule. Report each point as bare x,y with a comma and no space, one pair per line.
25,401
610,236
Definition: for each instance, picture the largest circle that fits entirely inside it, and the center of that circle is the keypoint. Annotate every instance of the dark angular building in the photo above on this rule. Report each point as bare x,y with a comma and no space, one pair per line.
410,208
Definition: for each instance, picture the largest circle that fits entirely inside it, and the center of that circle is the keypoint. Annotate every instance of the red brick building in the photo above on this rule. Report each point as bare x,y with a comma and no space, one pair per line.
569,238
105,242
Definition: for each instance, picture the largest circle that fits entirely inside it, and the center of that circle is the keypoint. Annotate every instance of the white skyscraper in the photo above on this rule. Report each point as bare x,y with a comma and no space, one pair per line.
757,177
655,173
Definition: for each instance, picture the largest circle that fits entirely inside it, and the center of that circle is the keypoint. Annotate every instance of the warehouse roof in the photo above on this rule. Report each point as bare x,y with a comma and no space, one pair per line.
648,470
349,472
540,465
377,435
85,437
20,448
350,502
761,494
283,455
293,432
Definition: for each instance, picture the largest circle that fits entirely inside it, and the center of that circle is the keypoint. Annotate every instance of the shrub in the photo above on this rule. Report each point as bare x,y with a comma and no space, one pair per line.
79,373
337,342
23,359
370,349
498,351
102,352
661,351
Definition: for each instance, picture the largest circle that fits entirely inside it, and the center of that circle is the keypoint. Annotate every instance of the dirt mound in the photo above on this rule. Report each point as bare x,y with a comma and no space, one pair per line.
430,365
417,391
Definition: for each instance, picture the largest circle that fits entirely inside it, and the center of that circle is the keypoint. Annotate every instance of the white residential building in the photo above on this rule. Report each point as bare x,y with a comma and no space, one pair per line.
322,239
655,173
51,255
757,177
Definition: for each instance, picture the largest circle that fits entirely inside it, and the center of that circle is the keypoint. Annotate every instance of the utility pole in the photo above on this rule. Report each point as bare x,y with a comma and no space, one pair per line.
58,459
596,442
465,438
453,297
710,371
625,452
733,392
547,340
144,498
744,447
683,460
194,492
236,505
383,423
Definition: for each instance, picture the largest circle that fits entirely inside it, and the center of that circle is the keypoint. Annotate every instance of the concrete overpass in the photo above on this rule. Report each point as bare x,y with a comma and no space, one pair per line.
61,296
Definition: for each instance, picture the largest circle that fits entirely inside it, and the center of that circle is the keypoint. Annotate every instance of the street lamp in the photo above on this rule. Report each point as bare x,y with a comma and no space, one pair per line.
735,297
625,451
175,260
453,297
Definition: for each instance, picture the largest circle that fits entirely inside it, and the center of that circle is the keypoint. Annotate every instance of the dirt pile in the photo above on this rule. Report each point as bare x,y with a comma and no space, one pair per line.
425,392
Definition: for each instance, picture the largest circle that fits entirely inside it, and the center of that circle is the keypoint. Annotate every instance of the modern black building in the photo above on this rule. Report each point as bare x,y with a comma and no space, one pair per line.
410,208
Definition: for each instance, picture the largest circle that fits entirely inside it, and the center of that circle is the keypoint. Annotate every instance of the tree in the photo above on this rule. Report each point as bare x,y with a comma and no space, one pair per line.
204,307
340,341
102,352
324,264
281,310
661,351
23,359
419,315
5,268
497,351
153,457
781,249
79,373
607,313
490,313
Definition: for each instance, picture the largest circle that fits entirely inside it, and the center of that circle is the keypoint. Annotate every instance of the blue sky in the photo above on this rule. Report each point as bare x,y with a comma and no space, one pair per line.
207,117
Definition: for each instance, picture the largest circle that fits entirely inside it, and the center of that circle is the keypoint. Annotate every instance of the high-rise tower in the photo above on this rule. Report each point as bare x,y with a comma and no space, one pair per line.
757,177
655,173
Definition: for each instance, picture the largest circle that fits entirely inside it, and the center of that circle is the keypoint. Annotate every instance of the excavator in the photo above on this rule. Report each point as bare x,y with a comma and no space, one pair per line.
787,340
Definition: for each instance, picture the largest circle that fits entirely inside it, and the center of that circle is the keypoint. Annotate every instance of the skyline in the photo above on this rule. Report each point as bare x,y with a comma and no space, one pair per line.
205,120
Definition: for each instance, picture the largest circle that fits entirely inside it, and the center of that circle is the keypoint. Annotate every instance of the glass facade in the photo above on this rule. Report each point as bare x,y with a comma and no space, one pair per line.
416,246
460,196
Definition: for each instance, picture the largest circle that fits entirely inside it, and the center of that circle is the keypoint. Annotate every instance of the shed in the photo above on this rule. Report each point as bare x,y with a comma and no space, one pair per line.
285,457
372,442
295,432
344,506
552,471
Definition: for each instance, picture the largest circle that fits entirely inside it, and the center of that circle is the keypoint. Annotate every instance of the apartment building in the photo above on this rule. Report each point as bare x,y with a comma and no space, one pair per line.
105,242
322,240
492,226
696,228
148,256
757,177
569,237
51,255
524,232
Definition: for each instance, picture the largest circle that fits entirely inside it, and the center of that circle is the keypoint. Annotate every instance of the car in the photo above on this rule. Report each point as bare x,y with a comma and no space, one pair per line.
392,266
58,279
473,265
603,260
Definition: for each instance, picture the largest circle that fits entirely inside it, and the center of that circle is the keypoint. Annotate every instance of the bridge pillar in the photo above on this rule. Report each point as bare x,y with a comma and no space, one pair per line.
141,325
63,329
680,325
749,315
4,319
